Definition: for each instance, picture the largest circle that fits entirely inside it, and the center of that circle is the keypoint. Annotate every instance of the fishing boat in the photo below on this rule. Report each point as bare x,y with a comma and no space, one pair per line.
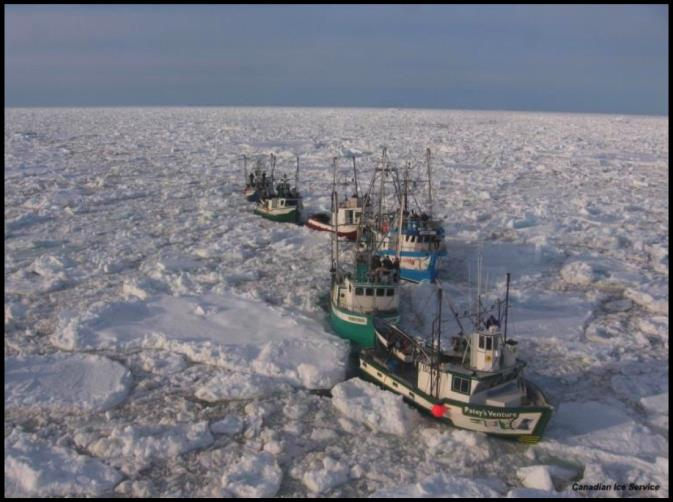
477,384
347,216
284,203
256,183
369,290
419,243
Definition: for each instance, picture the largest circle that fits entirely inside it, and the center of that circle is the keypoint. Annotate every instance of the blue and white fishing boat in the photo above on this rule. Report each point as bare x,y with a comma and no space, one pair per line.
419,245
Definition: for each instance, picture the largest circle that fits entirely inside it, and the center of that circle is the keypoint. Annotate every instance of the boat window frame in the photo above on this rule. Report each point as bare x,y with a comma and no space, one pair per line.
380,292
457,384
369,291
390,291
489,342
481,341
360,289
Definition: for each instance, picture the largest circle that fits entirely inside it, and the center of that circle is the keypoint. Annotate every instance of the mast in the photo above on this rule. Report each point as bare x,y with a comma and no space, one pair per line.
479,261
453,311
296,177
383,167
245,168
403,206
506,307
427,159
273,168
355,179
334,208
436,348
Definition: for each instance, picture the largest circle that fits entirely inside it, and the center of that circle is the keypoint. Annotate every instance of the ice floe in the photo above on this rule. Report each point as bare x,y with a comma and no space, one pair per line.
34,467
226,331
65,382
380,410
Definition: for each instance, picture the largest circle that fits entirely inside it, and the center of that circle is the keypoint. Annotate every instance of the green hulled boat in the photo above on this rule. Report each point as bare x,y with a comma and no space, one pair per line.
283,204
367,291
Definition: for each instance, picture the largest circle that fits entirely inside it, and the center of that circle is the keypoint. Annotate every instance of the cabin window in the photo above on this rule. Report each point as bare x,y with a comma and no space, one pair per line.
369,291
394,384
489,342
390,292
413,238
358,292
481,341
495,344
461,385
282,203
349,288
380,292
411,395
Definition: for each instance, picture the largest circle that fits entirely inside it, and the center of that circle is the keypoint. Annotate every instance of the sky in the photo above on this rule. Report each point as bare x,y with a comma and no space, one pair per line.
566,58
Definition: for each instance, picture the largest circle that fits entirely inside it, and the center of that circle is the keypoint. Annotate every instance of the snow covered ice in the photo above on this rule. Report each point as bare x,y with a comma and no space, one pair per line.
162,340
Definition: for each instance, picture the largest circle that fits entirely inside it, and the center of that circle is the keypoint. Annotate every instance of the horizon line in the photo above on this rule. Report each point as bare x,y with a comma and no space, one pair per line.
499,110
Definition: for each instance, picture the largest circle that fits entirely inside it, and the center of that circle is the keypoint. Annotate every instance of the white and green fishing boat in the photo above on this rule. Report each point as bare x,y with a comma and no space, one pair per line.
284,203
477,384
369,290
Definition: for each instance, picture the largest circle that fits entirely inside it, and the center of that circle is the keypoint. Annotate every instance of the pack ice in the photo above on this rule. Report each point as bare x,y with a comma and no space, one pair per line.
163,341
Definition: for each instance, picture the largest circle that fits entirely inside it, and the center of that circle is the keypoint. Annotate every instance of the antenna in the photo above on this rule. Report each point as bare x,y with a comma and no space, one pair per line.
355,179
245,168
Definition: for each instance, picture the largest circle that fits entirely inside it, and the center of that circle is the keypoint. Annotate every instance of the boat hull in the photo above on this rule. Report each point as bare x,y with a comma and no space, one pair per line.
283,216
355,326
416,266
325,227
525,423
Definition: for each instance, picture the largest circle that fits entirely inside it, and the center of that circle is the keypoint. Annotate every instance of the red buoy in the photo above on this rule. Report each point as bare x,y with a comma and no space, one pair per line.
438,410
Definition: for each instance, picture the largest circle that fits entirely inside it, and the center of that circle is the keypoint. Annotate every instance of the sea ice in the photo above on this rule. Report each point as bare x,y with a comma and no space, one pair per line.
379,409
65,382
254,474
536,476
226,331
34,467
134,447
440,485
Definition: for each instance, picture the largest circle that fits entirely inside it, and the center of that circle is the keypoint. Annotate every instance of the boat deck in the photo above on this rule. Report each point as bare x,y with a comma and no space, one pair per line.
406,372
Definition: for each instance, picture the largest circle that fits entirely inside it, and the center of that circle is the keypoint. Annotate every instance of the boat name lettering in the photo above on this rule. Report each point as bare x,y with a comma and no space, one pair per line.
486,413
